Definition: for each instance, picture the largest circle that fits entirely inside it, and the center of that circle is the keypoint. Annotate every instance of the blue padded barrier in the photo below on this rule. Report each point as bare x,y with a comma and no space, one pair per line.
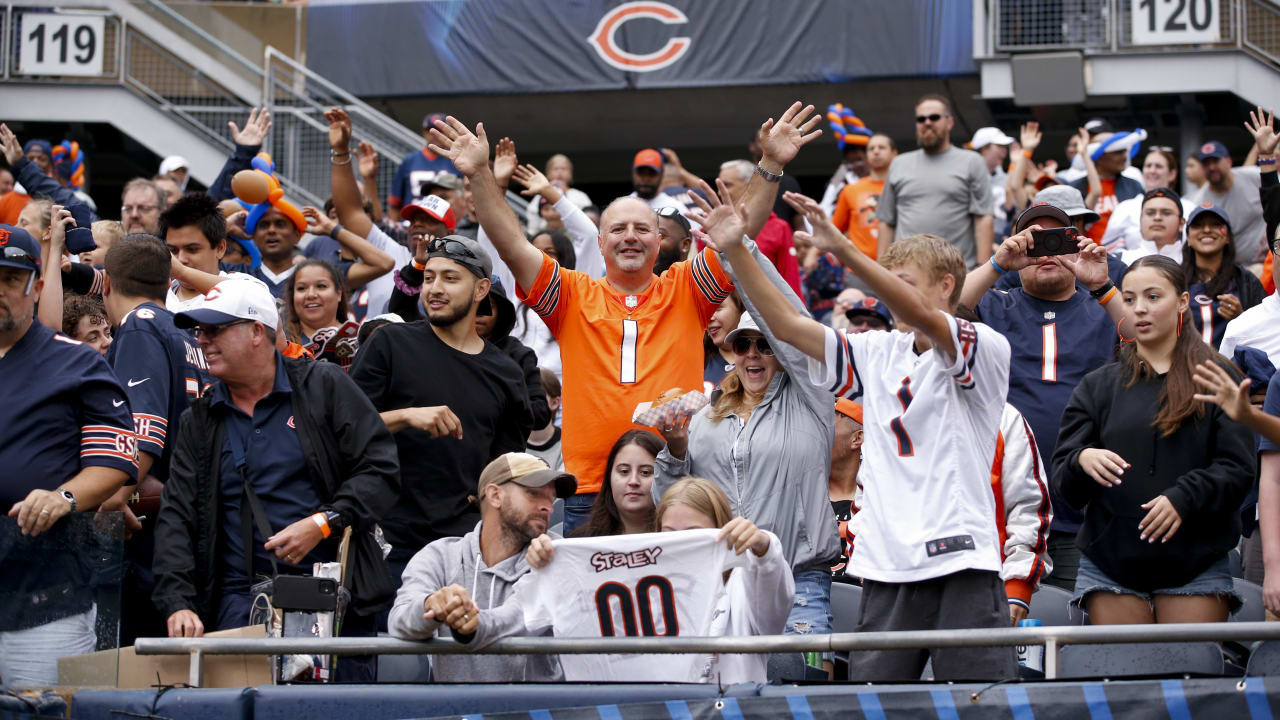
180,704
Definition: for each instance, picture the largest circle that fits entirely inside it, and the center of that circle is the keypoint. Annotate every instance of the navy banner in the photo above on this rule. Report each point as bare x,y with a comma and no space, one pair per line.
519,46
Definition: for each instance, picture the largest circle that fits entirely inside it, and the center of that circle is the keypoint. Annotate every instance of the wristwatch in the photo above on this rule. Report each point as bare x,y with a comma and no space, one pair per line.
336,521
66,495
768,176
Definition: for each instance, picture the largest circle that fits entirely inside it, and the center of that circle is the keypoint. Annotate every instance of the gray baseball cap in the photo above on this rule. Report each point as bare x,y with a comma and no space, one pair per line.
1068,200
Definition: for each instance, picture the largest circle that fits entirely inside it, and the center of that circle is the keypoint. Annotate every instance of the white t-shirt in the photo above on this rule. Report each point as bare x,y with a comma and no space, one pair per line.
379,289
651,584
1124,231
1258,327
1173,251
931,433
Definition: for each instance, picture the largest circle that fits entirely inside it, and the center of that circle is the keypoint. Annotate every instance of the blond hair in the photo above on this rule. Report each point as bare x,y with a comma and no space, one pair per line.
106,232
698,493
933,254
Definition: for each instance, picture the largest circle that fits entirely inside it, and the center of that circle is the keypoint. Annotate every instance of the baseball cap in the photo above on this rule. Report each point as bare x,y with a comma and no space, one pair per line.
1213,148
527,470
43,146
870,306
745,324
1211,209
849,409
446,180
236,297
1068,200
435,207
462,250
1039,210
989,136
429,120
649,158
171,163
1166,193
18,249
1097,126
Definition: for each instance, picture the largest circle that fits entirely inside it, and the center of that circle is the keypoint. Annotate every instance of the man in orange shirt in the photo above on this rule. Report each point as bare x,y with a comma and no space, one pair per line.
629,336
856,206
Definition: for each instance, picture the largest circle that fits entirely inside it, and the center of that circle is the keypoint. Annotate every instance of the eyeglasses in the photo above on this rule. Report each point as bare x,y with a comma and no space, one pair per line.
742,345
673,213
935,117
17,254
210,332
140,209
1162,148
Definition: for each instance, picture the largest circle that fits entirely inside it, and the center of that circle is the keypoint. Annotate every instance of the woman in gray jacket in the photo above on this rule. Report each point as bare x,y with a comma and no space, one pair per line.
766,441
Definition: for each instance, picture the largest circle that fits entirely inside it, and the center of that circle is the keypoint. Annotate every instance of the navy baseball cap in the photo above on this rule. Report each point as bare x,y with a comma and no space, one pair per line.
1211,209
1213,148
1166,193
871,307
18,249
1041,209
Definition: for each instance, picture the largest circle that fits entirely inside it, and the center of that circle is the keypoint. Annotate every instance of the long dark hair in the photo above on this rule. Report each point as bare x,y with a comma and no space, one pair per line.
1222,281
604,518
293,328
1177,403
708,345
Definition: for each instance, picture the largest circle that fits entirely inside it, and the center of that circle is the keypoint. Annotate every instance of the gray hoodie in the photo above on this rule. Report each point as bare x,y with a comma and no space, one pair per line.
457,561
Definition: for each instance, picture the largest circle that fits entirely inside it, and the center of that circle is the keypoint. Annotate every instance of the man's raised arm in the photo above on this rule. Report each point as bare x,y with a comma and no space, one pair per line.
470,155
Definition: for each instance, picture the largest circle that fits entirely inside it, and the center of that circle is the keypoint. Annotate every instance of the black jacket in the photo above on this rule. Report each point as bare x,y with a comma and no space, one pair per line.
354,466
1269,194
1205,468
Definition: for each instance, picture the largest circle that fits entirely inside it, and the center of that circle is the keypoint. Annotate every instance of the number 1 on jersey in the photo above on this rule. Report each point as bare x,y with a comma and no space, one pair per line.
905,448
630,333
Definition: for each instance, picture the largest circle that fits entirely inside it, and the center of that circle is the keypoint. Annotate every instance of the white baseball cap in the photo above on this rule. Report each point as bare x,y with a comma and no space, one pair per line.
236,297
171,163
989,136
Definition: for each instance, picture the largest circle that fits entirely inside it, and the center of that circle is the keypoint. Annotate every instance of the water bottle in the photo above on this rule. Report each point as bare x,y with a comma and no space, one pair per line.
1031,656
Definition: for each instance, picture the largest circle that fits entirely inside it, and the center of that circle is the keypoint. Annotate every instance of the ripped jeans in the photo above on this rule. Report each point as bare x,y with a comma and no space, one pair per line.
811,609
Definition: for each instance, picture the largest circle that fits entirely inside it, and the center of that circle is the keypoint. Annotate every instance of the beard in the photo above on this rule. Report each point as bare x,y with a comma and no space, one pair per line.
7,322
450,315
645,191
523,529
930,139
667,259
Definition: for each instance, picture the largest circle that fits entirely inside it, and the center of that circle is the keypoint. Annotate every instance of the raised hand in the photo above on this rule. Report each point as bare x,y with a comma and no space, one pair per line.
255,129
505,161
1262,126
532,178
1219,388
1082,142
420,247
468,151
781,141
1030,138
368,159
317,222
1089,266
743,535
826,237
12,148
57,242
339,129
722,221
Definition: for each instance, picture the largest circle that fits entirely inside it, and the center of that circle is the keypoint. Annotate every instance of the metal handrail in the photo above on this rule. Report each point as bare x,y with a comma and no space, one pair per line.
1051,637
203,34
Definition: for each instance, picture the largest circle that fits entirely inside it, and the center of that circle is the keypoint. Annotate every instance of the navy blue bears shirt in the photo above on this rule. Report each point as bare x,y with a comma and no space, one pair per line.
1053,346
62,409
162,370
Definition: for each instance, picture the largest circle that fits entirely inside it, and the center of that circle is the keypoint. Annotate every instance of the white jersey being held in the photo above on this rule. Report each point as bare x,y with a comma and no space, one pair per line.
931,429
651,584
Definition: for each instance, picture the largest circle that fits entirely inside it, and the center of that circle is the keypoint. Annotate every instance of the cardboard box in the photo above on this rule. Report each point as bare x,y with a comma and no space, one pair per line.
127,670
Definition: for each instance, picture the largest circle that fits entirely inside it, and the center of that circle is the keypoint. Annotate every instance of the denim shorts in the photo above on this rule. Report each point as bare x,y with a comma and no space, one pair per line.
1214,581
811,609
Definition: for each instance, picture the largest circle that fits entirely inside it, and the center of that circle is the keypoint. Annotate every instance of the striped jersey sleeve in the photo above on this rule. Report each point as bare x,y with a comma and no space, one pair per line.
106,424
837,372
545,295
710,279
982,357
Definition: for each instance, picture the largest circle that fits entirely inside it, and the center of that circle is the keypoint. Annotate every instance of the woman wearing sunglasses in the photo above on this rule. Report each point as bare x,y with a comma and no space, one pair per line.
766,442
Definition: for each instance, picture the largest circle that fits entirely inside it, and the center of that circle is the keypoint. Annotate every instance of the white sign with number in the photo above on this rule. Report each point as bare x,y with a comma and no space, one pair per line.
1175,22
60,44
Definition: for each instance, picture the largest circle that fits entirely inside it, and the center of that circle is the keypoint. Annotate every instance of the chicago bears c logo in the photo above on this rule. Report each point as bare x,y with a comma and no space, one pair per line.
289,422
604,41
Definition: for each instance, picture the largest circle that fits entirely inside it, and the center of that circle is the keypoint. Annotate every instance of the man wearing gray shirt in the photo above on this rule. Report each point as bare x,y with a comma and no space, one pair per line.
938,189
1236,191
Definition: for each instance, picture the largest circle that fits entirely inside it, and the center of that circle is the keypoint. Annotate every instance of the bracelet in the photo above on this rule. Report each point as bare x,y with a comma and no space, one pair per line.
322,522
999,270
334,154
1105,288
1026,154
1107,298
418,266
768,176
1266,161
334,232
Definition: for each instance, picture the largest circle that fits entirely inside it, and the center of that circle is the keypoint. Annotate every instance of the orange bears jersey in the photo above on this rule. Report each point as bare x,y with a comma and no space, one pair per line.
620,349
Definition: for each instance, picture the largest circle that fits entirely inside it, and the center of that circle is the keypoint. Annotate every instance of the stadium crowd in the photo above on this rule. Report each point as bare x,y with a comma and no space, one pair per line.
962,373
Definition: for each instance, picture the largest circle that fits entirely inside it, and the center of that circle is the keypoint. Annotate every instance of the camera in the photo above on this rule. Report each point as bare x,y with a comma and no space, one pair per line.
1054,241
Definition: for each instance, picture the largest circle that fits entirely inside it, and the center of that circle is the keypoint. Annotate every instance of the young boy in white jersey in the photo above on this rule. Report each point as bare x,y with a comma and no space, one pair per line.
932,391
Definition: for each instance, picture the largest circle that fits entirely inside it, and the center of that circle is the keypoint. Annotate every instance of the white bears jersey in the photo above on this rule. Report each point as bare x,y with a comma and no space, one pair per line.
651,584
930,434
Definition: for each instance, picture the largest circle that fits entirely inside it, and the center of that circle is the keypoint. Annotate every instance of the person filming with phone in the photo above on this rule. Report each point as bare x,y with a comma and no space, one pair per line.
1061,325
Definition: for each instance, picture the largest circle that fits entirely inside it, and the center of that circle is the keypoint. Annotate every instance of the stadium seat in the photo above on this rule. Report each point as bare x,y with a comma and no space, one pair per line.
557,513
1139,659
846,602
556,529
403,668
1052,606
1264,661
1252,610
1236,563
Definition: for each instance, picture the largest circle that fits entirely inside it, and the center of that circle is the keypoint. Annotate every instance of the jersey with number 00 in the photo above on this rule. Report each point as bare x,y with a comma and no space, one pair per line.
618,349
930,434
650,585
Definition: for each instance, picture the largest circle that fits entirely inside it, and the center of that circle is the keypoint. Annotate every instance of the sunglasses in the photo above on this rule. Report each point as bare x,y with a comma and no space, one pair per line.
210,332
742,345
17,254
673,213
454,250
922,119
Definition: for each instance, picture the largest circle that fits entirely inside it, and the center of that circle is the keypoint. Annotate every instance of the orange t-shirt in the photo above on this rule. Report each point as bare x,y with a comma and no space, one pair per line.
856,214
618,349
1106,203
